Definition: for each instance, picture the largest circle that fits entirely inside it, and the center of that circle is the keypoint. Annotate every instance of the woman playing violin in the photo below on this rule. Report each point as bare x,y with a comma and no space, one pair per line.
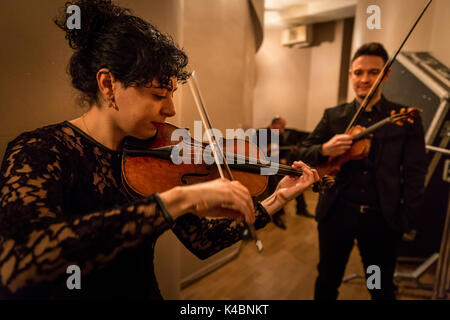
62,201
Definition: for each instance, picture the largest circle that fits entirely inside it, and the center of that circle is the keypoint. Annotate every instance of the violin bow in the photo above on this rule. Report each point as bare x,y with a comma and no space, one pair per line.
382,74
193,84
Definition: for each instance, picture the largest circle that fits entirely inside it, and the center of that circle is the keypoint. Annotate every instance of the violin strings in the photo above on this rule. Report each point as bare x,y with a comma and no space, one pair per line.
283,169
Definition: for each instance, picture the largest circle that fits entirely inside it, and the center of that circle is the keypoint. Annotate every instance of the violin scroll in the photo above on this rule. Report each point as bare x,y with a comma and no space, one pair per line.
399,118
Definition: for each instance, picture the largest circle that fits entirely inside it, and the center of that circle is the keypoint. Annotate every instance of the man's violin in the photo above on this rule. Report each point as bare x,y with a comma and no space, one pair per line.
361,143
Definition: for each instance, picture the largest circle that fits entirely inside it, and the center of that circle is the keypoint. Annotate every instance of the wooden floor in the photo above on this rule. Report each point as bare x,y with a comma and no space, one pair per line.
286,269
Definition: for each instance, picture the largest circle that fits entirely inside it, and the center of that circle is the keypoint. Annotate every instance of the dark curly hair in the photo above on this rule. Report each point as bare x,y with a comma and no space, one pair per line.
132,49
372,49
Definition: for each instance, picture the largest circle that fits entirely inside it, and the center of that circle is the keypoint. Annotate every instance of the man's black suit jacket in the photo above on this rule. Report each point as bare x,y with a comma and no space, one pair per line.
400,164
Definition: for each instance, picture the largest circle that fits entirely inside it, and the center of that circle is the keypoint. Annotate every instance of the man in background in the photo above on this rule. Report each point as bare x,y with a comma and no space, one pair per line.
374,200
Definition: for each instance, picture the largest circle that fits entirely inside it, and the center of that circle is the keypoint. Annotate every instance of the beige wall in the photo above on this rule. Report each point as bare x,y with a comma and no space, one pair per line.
440,38
397,17
298,84
325,69
282,80
34,88
219,40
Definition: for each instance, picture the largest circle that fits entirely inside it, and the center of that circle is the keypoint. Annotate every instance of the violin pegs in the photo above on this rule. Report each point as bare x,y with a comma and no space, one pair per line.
329,181
323,184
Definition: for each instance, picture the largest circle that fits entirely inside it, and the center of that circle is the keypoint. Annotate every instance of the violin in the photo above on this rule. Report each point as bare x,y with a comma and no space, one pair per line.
361,143
164,163
154,170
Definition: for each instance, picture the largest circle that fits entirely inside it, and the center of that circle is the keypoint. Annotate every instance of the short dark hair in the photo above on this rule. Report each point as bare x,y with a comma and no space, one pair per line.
132,49
372,49
276,120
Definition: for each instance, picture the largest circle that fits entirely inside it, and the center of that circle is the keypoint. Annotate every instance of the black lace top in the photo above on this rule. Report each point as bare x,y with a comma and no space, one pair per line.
62,203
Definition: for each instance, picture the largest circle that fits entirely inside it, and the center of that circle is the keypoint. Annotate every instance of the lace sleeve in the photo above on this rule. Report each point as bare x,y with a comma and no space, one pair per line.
38,240
206,236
